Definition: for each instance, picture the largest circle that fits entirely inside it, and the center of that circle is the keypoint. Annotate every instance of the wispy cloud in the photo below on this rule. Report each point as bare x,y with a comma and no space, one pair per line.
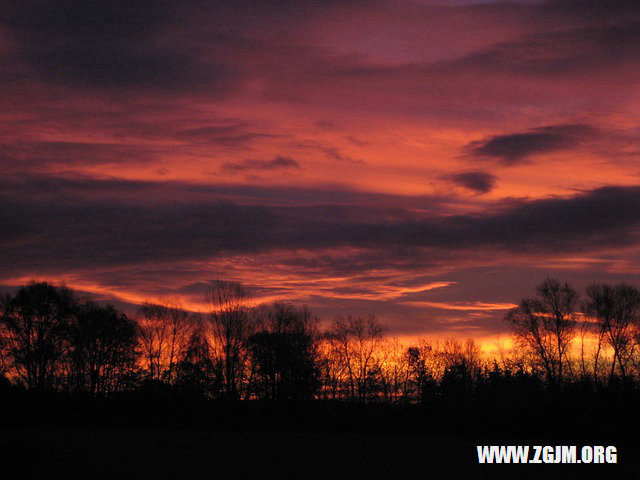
277,163
465,306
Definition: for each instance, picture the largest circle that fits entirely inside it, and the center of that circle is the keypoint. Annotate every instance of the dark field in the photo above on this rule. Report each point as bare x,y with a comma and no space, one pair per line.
56,452
144,435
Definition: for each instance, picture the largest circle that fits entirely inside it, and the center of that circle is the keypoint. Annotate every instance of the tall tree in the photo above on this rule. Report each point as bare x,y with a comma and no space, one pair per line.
231,324
420,375
102,348
355,342
35,329
197,373
544,326
165,328
616,308
284,352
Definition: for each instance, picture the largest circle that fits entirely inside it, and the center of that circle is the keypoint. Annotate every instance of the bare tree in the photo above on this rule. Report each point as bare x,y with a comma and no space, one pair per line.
181,326
355,342
231,324
617,310
544,326
392,370
590,365
165,329
455,352
332,370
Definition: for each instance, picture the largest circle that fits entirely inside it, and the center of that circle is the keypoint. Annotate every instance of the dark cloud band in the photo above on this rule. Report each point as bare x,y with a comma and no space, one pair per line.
78,231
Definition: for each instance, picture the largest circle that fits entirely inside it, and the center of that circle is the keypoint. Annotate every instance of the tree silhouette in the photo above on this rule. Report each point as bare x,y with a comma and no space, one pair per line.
457,383
36,323
165,328
197,374
544,326
421,383
50,340
617,310
231,325
102,348
355,342
283,352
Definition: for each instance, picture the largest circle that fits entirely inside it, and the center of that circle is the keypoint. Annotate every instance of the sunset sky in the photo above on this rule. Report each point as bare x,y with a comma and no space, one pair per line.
429,162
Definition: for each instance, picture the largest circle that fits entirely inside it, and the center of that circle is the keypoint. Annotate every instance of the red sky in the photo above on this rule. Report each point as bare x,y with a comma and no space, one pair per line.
430,162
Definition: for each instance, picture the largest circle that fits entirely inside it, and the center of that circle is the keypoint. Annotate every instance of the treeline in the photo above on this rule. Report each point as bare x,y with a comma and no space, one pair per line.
52,340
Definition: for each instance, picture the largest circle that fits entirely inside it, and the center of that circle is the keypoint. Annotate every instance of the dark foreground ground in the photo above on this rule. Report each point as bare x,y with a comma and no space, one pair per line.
156,435
65,452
